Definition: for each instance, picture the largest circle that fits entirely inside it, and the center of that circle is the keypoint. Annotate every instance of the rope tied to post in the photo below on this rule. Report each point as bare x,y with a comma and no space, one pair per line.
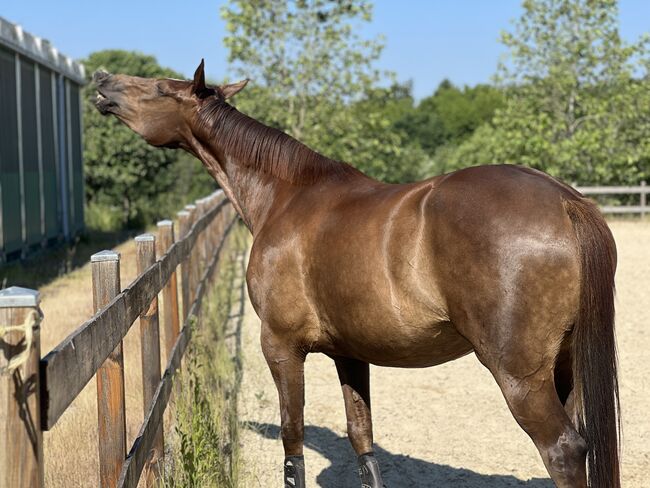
27,327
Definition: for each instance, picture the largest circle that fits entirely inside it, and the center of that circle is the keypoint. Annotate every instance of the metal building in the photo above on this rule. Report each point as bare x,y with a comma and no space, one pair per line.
41,168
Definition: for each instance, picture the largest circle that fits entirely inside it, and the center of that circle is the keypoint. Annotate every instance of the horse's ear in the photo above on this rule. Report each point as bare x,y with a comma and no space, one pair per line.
198,84
232,89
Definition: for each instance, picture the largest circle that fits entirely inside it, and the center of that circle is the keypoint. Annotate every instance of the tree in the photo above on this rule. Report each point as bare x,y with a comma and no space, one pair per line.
313,73
366,134
450,115
578,97
129,183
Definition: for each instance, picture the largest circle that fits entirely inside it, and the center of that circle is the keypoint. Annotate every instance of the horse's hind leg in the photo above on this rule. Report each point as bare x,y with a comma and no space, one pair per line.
355,382
529,390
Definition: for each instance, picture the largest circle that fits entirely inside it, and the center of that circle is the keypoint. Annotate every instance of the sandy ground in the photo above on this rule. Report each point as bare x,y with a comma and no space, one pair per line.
448,425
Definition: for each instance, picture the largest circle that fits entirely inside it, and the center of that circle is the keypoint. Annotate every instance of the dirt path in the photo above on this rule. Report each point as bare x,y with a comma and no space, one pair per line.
448,425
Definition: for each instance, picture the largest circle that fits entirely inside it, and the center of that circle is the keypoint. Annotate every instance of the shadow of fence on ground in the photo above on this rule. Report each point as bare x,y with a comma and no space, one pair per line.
398,470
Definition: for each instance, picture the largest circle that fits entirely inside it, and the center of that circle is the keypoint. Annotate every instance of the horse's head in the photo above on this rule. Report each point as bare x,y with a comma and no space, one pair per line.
160,110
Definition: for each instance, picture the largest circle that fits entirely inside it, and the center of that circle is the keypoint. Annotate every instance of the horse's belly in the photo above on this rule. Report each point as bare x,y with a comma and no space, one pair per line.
408,346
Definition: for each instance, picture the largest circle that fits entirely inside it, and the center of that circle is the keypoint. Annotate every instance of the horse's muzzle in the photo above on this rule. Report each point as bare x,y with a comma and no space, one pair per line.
105,101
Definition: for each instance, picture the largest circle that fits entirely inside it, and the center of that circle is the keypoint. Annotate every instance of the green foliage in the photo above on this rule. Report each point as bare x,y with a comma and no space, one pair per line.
314,78
577,98
365,134
129,183
306,52
450,115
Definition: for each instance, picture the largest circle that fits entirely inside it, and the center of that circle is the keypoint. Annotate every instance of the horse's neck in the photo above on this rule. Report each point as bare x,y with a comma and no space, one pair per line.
255,178
252,193
257,193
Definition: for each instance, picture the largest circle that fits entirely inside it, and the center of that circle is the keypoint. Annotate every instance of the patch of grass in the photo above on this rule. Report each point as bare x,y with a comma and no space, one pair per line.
104,217
205,444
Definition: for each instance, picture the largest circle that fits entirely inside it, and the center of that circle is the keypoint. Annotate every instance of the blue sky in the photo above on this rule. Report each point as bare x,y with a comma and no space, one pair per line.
426,40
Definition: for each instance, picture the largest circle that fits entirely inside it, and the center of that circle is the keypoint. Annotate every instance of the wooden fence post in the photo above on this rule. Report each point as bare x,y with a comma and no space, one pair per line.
171,322
193,261
643,199
217,231
21,439
150,352
184,226
203,242
111,414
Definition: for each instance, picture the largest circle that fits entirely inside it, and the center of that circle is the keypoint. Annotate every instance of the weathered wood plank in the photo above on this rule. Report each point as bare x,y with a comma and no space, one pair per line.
111,406
192,258
150,352
184,224
21,439
171,319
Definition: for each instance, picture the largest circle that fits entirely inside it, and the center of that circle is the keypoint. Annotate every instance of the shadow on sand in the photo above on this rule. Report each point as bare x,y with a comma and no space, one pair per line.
399,471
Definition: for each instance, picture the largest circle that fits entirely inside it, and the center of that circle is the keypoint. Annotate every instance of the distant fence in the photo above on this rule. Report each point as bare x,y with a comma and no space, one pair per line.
642,190
35,392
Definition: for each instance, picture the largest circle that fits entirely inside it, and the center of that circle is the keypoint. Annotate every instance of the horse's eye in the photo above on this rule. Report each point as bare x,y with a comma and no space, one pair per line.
159,90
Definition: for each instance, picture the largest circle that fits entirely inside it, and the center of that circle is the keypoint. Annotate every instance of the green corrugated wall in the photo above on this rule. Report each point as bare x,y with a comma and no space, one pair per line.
77,161
22,227
31,176
53,223
9,162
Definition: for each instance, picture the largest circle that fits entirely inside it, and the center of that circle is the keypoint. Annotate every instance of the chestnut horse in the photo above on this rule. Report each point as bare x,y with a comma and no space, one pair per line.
502,261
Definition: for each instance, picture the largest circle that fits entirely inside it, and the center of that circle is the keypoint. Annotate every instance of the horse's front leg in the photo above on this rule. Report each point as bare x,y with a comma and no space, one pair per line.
286,362
355,382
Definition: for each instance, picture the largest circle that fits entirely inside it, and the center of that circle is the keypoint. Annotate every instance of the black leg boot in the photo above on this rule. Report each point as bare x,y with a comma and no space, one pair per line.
369,471
294,472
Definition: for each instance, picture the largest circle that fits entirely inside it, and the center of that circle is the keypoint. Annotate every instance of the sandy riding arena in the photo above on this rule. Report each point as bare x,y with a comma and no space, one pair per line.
448,425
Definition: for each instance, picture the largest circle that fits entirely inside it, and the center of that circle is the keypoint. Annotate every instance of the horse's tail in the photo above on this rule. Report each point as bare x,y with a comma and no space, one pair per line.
594,347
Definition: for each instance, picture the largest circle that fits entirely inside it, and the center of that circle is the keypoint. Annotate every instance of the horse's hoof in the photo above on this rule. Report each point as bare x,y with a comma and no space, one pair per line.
369,472
294,472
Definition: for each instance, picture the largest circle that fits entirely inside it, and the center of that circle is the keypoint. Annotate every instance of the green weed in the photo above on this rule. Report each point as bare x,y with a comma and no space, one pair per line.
206,438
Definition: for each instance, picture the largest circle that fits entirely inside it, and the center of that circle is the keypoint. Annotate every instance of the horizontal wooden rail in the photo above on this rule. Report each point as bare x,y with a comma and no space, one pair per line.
137,457
69,366
613,190
642,190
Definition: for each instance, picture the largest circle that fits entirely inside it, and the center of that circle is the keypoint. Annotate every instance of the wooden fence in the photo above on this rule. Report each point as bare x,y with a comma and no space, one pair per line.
642,190
35,392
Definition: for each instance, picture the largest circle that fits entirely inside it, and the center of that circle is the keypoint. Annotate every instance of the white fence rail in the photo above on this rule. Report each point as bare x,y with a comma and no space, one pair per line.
642,190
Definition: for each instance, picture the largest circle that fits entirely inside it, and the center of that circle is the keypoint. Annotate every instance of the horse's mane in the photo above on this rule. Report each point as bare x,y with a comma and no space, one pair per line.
270,150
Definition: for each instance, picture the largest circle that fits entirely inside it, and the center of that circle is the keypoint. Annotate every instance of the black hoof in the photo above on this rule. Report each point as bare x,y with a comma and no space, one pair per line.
369,472
294,472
